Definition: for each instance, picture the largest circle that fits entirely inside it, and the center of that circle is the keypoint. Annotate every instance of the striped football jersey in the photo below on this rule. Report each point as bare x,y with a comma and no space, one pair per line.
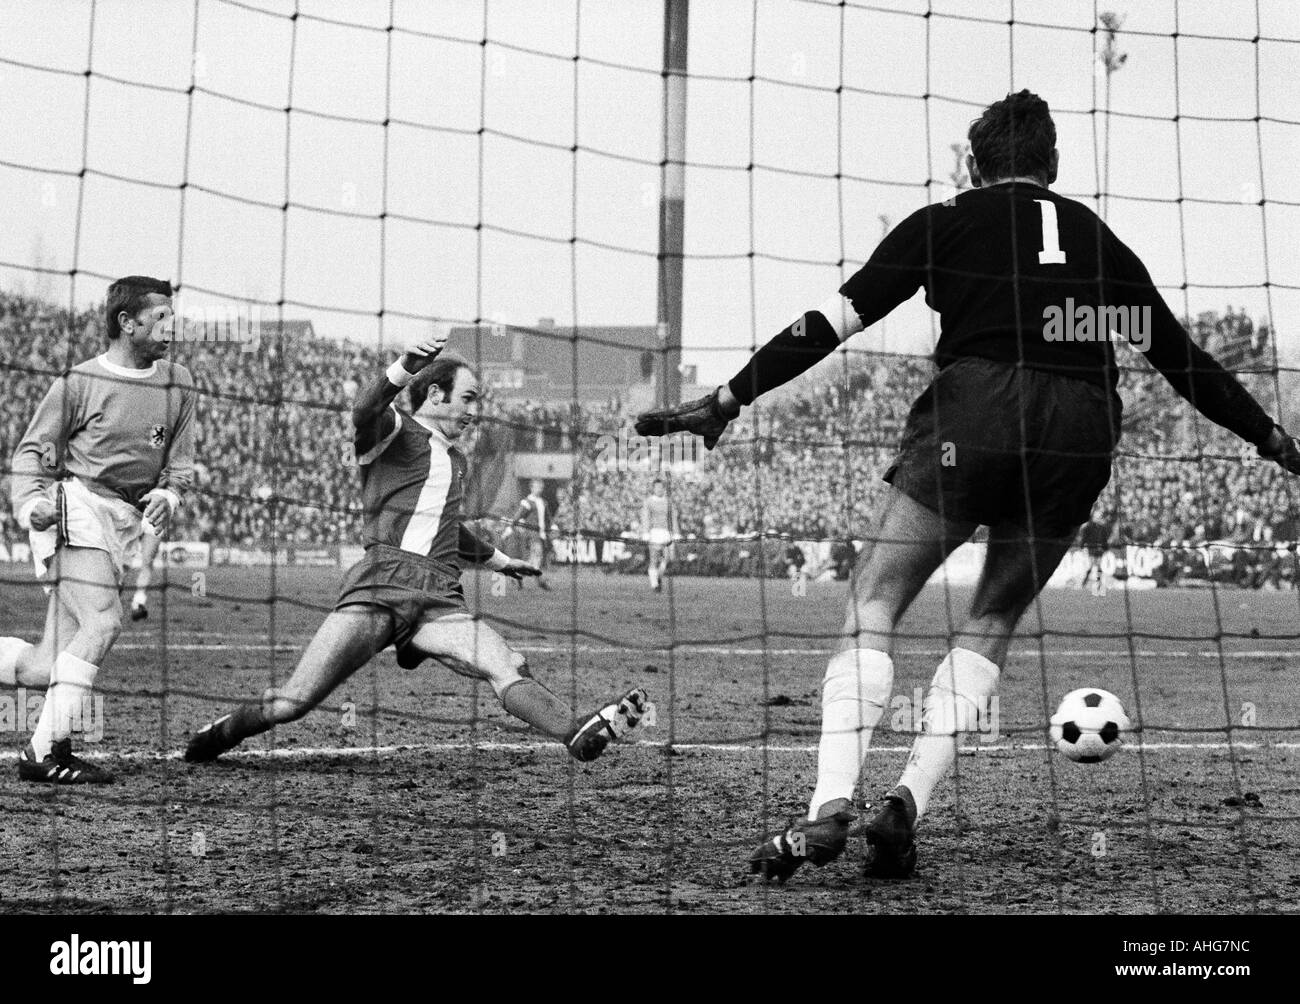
412,487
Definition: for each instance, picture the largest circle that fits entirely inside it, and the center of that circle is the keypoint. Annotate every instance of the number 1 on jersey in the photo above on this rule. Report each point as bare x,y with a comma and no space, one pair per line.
1051,253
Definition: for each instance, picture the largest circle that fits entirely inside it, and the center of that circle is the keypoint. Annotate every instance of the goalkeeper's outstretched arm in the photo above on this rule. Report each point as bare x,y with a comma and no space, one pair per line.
1194,373
894,272
799,347
795,350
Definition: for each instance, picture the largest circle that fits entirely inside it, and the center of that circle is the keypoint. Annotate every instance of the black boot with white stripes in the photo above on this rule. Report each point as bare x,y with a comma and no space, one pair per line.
60,767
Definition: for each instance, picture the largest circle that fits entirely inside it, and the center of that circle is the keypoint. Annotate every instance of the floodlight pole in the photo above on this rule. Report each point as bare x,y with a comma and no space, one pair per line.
672,202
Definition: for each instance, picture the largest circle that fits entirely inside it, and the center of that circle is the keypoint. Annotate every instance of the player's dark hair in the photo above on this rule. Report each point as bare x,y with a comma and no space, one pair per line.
1014,138
440,373
130,294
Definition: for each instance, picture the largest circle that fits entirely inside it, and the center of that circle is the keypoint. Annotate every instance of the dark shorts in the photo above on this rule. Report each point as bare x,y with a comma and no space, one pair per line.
989,444
410,587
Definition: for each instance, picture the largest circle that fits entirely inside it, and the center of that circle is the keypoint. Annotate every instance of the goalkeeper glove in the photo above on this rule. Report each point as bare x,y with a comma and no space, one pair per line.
702,417
1283,449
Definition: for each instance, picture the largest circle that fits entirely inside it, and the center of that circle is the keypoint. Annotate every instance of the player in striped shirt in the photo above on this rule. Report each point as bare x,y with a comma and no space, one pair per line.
406,591
109,450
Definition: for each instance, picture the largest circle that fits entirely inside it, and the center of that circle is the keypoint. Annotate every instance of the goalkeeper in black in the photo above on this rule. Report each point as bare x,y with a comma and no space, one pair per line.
1016,432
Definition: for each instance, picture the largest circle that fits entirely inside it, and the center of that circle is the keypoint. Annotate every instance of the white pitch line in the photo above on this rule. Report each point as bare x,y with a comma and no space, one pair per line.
297,753
1082,653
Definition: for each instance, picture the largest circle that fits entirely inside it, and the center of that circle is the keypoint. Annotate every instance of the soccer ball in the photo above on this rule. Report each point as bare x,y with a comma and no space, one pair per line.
1087,725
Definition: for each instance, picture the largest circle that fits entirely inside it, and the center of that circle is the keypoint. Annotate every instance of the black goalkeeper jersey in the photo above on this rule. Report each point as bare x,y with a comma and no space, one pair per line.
1019,274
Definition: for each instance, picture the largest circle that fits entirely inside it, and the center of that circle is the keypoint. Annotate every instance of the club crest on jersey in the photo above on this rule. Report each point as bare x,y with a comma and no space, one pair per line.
158,437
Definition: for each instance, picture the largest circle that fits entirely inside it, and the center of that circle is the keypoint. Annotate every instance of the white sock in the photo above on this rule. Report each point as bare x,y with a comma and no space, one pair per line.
140,599
654,578
71,680
960,690
854,694
10,651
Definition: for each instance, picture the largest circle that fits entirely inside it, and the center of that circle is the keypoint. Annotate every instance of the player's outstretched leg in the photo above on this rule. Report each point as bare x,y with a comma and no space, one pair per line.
472,648
1014,571
346,640
23,664
13,652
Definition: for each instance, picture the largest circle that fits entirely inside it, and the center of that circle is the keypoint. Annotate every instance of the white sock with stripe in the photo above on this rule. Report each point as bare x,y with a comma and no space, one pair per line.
70,682
11,649
960,690
856,689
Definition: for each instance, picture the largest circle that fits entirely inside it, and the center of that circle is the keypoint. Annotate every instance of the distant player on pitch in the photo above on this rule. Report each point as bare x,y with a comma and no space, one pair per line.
1016,432
530,525
406,590
150,545
107,455
659,524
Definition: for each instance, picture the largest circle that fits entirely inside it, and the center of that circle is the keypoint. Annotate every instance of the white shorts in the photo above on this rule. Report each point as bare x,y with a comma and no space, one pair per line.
105,524
659,537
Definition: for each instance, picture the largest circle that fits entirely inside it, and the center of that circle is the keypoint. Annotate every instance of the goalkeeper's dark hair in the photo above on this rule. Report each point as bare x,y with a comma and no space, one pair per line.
130,294
1014,138
440,373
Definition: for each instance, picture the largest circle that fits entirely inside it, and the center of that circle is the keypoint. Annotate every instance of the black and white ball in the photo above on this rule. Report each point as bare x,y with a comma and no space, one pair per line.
1087,725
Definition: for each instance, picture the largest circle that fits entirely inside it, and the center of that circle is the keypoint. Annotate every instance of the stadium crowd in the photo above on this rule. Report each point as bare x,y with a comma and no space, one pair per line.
273,444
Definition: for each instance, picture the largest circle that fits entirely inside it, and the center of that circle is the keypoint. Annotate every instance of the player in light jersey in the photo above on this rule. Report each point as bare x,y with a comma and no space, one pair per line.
406,591
659,524
110,449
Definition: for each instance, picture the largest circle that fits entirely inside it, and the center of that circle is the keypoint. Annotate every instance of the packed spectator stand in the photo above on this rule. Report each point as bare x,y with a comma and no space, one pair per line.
273,443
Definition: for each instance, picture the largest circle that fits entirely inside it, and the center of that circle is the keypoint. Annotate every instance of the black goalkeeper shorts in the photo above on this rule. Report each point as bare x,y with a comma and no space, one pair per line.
987,443
411,587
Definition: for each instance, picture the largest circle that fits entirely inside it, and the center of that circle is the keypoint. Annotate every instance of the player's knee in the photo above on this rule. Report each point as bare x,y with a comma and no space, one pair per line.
281,706
998,608
878,590
103,627
510,670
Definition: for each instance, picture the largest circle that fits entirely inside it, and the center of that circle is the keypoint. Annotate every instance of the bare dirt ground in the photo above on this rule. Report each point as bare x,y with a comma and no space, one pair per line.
413,792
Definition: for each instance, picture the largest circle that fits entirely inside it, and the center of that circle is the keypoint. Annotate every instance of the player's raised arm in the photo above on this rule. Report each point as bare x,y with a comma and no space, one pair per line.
1193,372
39,455
893,273
374,421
